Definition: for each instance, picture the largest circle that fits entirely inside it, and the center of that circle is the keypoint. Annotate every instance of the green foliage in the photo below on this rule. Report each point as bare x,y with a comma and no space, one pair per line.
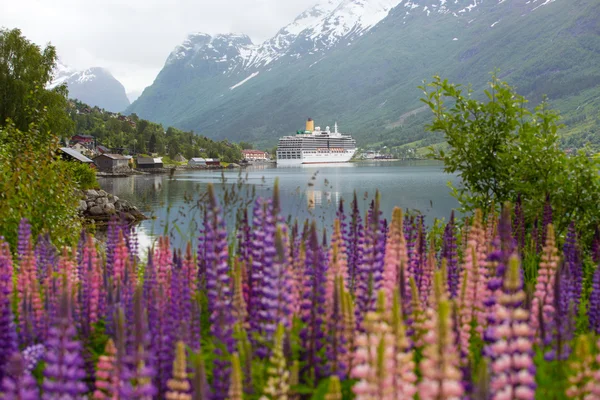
500,149
83,175
139,136
25,69
33,184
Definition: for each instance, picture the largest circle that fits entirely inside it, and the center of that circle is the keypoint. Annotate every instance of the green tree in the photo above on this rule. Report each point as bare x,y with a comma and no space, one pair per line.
25,70
500,149
246,146
152,143
34,184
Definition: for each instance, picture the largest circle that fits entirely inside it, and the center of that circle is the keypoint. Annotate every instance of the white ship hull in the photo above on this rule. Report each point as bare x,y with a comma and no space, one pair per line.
318,158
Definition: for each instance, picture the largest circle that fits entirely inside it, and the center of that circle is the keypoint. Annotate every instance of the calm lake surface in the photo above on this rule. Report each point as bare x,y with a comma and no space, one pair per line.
311,191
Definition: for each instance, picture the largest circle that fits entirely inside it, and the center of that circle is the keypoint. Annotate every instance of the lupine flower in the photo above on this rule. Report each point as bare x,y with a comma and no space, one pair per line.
338,266
277,385
313,306
513,371
17,383
334,390
201,389
64,373
219,295
354,242
240,311
8,331
374,359
594,303
450,254
581,370
32,355
236,391
542,306
405,378
395,255
572,257
337,349
107,374
179,386
440,365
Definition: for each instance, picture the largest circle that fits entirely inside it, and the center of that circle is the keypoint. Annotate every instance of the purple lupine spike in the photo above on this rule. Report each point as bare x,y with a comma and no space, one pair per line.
559,331
572,258
449,252
593,311
276,296
46,257
134,356
202,249
64,374
8,329
32,355
354,244
519,224
370,269
313,307
18,384
263,253
218,287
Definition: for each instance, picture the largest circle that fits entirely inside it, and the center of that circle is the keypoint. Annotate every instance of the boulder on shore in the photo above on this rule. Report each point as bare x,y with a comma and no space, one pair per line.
100,206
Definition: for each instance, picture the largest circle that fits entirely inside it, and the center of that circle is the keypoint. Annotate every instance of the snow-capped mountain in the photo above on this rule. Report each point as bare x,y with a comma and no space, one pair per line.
361,61
94,86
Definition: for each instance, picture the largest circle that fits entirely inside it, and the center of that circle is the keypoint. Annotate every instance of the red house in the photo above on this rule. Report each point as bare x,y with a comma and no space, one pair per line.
82,139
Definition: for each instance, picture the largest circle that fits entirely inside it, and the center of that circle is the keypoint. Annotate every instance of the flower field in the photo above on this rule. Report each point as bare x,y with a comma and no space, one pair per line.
383,308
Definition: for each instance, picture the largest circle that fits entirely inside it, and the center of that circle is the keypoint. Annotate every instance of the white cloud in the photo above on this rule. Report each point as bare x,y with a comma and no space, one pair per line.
133,38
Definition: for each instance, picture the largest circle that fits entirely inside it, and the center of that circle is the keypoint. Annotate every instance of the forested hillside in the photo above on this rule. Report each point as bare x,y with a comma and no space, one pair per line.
139,136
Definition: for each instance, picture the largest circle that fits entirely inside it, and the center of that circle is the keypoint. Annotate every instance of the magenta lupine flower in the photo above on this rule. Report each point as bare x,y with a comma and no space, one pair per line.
396,257
513,370
313,308
8,329
64,373
91,286
449,252
542,306
218,286
17,383
441,375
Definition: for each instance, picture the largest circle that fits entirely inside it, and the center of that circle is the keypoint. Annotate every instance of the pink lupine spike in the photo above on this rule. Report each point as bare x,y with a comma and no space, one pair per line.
474,289
374,357
93,274
107,375
164,264
31,326
404,369
513,370
417,315
581,372
396,255
542,306
190,266
593,386
121,260
338,265
441,376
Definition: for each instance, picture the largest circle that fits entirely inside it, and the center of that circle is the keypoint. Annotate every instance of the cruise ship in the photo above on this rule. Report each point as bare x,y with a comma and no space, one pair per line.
315,146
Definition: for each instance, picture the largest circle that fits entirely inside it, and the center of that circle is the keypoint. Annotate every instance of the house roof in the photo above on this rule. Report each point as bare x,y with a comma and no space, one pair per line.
253,152
149,160
103,149
75,154
113,156
197,159
84,136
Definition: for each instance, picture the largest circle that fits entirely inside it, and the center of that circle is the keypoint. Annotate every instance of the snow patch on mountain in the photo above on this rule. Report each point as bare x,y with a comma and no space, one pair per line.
252,75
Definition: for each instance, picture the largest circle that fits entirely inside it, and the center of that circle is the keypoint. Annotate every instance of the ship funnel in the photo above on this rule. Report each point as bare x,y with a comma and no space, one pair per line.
310,125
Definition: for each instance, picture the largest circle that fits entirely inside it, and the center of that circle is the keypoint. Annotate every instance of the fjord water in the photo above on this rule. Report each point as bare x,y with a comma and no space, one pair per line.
310,191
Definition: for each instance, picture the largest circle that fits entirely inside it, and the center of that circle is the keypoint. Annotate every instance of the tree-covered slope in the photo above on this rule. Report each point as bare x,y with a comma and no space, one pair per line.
368,82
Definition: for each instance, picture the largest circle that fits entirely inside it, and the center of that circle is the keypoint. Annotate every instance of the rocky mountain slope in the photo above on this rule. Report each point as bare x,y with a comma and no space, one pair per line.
360,61
94,86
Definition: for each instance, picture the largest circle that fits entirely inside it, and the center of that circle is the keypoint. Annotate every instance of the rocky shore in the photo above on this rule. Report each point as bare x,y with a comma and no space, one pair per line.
100,206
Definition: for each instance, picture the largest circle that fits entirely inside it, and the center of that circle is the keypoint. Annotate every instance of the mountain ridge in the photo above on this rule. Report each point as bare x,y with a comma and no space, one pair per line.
368,78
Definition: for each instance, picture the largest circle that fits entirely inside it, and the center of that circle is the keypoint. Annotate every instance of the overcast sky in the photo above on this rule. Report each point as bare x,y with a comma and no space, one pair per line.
132,38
